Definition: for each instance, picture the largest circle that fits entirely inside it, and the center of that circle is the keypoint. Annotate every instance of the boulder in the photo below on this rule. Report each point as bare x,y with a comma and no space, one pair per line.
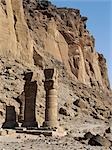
64,111
88,135
80,103
98,140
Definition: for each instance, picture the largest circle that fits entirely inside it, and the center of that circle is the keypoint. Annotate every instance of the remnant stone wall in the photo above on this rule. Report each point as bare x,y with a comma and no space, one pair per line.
11,118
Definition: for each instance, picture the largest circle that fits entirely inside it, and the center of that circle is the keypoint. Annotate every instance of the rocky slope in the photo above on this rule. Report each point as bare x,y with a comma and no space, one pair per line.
35,35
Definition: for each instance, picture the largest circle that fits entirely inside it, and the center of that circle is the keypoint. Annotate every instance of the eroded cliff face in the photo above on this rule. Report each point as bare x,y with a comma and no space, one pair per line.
15,40
62,33
41,33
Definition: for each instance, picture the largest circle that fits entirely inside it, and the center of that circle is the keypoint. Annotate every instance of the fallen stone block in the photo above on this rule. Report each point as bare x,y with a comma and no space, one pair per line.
98,140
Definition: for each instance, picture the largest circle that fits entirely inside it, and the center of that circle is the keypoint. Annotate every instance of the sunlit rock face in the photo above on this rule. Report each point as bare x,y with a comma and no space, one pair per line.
15,40
31,31
62,33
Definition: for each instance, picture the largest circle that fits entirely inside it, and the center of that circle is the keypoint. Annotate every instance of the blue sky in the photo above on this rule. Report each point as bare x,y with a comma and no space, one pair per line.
99,23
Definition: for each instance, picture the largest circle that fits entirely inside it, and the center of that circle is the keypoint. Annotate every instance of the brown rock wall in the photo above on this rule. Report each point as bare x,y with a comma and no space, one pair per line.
60,32
15,39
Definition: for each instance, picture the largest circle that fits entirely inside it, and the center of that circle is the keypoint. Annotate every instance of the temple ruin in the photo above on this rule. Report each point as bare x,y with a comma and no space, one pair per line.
27,100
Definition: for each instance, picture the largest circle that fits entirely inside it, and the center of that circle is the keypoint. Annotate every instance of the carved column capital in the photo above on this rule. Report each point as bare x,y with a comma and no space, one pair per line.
51,76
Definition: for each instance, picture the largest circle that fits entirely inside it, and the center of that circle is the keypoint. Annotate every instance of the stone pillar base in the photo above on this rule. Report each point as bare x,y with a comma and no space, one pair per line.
30,124
60,132
10,125
51,124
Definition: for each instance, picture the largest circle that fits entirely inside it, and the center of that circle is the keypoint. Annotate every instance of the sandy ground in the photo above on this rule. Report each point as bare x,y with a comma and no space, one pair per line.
33,142
27,142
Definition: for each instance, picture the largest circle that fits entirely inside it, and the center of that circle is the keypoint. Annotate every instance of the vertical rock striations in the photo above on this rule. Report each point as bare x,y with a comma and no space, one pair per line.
62,33
15,40
57,32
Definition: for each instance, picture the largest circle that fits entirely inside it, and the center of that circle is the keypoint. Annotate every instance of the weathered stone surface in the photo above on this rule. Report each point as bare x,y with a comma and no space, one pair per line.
103,70
80,103
62,33
98,140
43,133
11,118
21,100
50,86
15,40
72,44
30,91
64,111
88,135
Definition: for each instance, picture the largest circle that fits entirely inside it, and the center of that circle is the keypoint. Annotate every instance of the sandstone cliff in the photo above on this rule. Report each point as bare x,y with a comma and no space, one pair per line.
45,31
62,33
15,40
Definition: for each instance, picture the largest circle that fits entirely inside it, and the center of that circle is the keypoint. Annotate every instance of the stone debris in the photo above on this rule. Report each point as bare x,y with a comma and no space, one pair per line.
88,135
81,103
64,111
98,140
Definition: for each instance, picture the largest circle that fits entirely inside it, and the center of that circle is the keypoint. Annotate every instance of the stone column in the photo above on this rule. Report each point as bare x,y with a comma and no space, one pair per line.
11,118
50,86
30,90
